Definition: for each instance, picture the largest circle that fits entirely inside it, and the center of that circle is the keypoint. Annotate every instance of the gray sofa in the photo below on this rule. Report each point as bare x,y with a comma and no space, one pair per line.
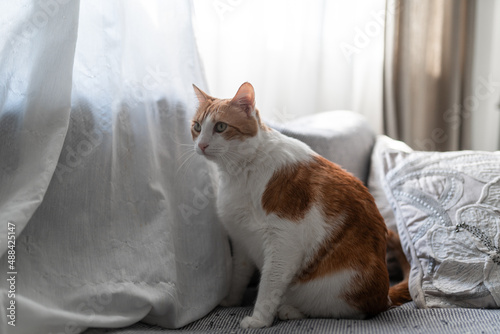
346,138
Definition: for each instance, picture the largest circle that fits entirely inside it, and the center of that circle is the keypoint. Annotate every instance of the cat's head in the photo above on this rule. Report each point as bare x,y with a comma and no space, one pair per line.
226,128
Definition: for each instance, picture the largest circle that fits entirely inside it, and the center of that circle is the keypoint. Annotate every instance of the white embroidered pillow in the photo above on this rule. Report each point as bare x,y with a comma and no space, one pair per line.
447,207
376,178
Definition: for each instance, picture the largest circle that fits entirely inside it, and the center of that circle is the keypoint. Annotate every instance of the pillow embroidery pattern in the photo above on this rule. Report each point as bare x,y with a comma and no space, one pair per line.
448,213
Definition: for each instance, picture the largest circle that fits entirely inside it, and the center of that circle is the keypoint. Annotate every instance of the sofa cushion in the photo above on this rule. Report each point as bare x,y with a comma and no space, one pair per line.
376,177
341,136
447,208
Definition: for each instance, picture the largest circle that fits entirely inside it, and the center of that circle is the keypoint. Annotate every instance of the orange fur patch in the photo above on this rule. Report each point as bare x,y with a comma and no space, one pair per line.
358,239
289,192
240,125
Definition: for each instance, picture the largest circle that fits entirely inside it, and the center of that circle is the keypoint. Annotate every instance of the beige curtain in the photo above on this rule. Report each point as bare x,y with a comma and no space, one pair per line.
427,70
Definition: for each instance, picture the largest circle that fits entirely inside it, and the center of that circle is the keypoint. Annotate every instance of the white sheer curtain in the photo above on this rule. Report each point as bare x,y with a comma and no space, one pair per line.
303,57
32,97
485,112
95,103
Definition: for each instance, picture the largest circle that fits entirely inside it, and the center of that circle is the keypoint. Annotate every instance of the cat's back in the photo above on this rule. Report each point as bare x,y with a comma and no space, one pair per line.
303,179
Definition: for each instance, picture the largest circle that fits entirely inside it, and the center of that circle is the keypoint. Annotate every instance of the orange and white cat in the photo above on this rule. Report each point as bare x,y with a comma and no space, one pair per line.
312,229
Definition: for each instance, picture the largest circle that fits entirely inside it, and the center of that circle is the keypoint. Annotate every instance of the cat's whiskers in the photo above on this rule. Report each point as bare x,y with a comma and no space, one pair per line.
187,145
185,151
259,161
225,161
185,159
237,160
241,166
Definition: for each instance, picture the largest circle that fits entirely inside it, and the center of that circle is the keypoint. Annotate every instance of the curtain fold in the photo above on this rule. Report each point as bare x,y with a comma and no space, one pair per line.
35,103
427,73
116,220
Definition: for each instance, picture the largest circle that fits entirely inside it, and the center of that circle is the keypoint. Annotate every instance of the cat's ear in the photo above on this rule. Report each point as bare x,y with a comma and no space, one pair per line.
201,95
245,98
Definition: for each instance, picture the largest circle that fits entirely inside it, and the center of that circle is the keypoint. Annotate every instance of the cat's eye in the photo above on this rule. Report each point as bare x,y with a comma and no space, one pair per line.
197,127
220,127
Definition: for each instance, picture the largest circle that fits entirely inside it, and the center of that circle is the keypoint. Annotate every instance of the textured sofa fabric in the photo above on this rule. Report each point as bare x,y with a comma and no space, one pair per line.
404,319
345,138
340,136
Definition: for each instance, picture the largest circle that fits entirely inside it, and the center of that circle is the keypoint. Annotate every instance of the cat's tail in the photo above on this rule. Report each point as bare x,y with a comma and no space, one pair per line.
399,293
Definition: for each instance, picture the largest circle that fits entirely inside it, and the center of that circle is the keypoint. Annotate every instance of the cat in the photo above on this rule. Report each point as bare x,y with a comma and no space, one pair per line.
311,228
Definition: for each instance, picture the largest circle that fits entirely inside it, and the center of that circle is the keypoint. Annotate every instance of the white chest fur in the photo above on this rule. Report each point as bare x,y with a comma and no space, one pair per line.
240,211
239,201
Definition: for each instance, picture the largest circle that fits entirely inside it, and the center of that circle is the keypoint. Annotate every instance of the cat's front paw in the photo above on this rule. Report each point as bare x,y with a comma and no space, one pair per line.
230,301
288,312
254,322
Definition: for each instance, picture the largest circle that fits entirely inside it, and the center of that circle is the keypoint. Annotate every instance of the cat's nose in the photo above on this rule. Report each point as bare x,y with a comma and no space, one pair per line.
202,146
